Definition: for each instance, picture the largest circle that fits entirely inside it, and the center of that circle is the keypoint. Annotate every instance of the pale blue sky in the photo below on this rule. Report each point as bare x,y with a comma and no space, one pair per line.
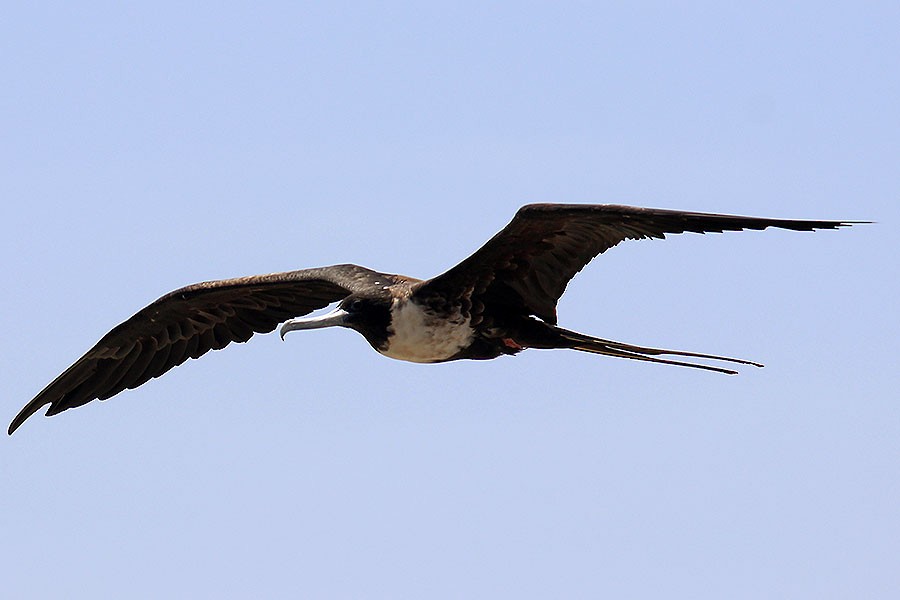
147,147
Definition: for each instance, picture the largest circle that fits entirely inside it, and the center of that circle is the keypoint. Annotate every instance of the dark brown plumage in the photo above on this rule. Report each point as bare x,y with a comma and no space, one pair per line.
533,258
191,321
489,301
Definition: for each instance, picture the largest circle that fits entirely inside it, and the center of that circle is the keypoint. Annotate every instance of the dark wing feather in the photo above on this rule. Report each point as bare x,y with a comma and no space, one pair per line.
528,264
189,322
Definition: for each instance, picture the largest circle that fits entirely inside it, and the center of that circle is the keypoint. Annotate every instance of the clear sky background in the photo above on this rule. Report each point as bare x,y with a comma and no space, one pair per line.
147,147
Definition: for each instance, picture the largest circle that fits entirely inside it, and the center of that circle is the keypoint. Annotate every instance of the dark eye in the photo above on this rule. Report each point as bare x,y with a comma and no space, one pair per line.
354,304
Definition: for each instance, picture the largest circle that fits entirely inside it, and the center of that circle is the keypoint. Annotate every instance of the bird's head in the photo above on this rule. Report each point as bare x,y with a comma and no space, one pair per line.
370,316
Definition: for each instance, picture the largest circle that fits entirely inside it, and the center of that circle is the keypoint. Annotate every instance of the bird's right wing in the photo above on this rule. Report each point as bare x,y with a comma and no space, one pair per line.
189,322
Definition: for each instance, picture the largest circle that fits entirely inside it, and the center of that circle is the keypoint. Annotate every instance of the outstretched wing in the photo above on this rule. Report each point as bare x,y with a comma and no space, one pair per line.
528,264
189,322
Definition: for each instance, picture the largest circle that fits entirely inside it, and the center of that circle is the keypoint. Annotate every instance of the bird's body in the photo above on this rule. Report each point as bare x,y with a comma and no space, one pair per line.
417,334
500,300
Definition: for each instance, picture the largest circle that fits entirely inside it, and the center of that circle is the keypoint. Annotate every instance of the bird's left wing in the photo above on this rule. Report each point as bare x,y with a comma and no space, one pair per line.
528,264
189,322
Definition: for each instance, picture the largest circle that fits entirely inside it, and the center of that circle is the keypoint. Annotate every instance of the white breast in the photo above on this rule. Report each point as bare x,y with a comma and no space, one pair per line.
418,336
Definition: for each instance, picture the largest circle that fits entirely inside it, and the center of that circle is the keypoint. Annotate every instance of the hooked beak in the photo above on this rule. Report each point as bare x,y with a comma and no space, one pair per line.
336,318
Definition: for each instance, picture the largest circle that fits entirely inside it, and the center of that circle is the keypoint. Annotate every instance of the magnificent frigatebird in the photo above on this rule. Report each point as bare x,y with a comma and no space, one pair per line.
500,300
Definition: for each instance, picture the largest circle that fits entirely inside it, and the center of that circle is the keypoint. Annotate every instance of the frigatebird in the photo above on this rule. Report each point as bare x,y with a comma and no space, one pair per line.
498,301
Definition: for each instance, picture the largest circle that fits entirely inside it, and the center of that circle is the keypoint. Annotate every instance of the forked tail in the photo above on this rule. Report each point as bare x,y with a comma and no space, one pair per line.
587,343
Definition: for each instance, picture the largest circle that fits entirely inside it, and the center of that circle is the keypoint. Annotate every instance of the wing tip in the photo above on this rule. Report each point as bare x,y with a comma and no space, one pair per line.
24,414
818,225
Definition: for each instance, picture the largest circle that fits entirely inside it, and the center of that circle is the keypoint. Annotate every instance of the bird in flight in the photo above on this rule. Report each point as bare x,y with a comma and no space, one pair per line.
498,301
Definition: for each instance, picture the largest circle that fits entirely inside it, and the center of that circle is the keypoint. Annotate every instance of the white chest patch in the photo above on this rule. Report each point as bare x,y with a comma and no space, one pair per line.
417,336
